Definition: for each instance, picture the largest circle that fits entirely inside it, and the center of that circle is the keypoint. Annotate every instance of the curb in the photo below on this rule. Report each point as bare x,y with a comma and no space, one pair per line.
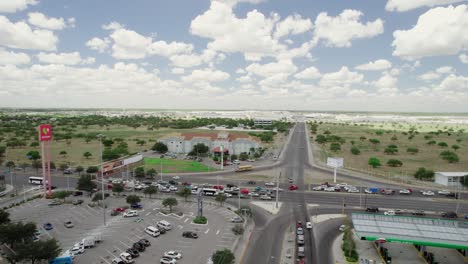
247,242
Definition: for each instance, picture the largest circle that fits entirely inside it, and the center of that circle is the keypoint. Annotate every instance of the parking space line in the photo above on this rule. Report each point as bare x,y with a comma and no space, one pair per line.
47,232
217,232
111,253
104,260
208,230
124,244
148,213
186,219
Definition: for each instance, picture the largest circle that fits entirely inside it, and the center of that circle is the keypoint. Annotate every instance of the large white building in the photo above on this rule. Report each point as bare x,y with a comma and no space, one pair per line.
452,179
232,143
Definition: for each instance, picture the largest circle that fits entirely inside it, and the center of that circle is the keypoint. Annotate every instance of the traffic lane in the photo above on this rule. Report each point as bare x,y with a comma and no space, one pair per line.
326,232
57,180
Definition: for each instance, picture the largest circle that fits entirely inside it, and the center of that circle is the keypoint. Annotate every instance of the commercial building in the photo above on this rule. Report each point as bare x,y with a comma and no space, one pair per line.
451,179
232,143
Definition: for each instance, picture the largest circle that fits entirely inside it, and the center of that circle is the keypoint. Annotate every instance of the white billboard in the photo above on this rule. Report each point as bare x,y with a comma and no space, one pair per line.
132,159
335,162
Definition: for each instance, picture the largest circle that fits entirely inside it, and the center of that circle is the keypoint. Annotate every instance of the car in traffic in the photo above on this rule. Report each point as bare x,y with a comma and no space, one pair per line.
293,187
270,184
77,249
54,202
173,254
190,234
251,182
443,192
318,188
48,226
405,191
449,215
299,231
130,213
353,190
290,180
390,213
265,197
68,224
428,193
419,213
329,189
308,225
77,202
372,209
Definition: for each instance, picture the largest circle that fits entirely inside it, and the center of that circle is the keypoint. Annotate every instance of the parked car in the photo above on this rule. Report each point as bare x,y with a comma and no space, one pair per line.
318,188
54,202
120,209
130,213
270,184
405,191
391,213
68,224
133,252
443,192
48,226
136,206
428,193
77,202
138,246
298,224
308,225
251,182
372,209
190,234
77,193
126,258
237,219
419,213
293,187
176,177
173,254
265,197
353,190
144,242
449,215
117,261
343,228
167,260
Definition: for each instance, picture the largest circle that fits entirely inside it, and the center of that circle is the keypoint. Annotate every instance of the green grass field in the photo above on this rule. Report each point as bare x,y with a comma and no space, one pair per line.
172,165
428,155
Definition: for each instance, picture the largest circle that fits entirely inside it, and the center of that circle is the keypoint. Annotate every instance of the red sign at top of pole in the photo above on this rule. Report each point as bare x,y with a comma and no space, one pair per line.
45,133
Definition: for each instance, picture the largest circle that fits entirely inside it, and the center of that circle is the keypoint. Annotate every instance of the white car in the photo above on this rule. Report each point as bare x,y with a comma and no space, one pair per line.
443,192
353,190
173,254
254,194
428,193
167,260
329,189
308,225
270,184
405,191
391,212
265,197
173,188
228,195
274,189
78,248
343,228
127,258
139,187
317,188
130,213
176,178
236,161
194,191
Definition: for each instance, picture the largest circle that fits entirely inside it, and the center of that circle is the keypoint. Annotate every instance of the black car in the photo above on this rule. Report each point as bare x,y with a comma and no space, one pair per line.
133,252
420,213
145,242
372,209
251,182
78,193
138,246
453,195
162,231
449,215
190,234
172,182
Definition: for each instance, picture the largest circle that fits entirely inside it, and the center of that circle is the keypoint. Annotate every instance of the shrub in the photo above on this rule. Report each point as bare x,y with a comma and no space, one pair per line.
355,150
432,142
335,147
200,220
449,156
423,174
238,230
374,162
394,163
442,144
412,150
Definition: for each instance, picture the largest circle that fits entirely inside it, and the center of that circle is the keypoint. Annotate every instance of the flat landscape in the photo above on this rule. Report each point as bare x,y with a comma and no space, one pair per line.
398,134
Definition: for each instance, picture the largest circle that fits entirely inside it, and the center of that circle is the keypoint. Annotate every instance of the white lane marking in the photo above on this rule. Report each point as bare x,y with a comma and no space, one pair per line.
124,244
105,260
148,213
208,230
111,253
186,219
180,227
217,232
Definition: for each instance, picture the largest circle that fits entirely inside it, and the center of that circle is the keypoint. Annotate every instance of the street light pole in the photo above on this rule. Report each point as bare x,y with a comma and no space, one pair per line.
100,136
277,189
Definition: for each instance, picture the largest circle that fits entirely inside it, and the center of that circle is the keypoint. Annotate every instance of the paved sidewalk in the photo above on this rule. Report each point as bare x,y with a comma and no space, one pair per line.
240,246
289,246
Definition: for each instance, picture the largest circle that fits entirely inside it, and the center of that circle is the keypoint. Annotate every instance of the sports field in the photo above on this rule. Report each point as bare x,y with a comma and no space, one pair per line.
173,166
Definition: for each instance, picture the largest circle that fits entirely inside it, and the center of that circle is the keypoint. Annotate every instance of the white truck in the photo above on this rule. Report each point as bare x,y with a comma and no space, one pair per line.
88,242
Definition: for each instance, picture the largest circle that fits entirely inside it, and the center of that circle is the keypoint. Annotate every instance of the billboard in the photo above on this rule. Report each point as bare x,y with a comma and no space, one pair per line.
45,133
112,165
335,162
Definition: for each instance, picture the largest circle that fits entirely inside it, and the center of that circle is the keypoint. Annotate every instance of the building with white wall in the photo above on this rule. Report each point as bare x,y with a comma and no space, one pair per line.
233,143
451,179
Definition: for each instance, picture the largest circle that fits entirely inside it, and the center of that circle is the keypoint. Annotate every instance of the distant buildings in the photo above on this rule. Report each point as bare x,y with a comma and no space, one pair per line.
451,179
263,122
232,143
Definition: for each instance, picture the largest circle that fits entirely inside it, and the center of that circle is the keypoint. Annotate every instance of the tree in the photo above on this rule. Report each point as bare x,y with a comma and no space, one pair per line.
151,173
4,217
390,150
63,153
449,156
107,142
362,138
98,196
87,154
169,202
141,142
224,256
159,147
355,150
243,156
199,148
394,163
63,167
140,172
442,144
335,147
79,169
321,139
16,233
374,162
33,155
432,142
85,183
412,150
92,169
10,164
150,190
52,165
374,141
455,147
184,192
133,199
423,174
117,188
61,194
39,250
394,138
234,156
221,198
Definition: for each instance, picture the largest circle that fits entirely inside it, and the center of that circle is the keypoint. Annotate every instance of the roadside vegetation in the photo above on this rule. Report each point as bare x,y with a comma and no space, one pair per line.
391,149
349,246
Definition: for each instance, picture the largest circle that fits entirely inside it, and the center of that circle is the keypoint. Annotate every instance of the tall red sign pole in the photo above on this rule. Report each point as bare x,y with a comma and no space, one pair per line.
45,136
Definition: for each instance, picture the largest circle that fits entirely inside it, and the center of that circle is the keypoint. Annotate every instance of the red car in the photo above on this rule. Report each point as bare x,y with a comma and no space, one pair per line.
293,187
218,187
299,224
120,209
244,191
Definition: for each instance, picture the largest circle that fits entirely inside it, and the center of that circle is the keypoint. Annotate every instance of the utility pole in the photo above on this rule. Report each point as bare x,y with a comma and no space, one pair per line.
160,168
277,189
100,136
222,152
343,206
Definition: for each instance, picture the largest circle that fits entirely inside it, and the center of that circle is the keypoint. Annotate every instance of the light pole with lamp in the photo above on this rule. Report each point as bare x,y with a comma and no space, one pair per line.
100,136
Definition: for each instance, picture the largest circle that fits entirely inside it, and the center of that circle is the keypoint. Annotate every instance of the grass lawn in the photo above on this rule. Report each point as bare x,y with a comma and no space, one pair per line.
428,155
172,165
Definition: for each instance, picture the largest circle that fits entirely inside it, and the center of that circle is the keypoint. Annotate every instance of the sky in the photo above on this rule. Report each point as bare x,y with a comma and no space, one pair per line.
353,55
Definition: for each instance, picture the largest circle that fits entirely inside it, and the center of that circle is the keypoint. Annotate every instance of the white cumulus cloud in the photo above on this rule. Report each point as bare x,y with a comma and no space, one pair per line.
72,58
98,44
463,58
206,75
439,31
454,83
10,57
20,36
178,70
293,25
341,30
406,5
12,6
387,84
343,77
309,73
41,20
285,67
378,65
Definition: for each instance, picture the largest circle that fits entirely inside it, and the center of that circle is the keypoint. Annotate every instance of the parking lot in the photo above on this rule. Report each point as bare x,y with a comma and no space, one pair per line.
120,233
